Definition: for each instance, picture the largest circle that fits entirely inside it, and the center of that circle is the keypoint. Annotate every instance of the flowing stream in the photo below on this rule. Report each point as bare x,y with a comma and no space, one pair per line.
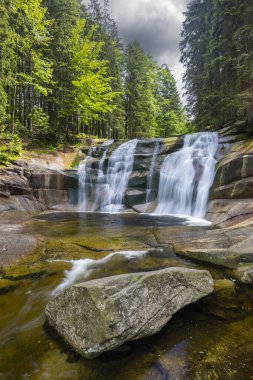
211,339
195,345
101,184
85,181
108,186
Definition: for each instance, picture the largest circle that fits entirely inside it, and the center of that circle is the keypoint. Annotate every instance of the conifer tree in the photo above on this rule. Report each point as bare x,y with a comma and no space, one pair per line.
217,50
65,14
140,90
28,72
63,71
170,115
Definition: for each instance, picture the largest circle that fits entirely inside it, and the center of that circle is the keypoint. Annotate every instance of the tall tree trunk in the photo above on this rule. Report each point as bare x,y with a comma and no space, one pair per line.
13,107
30,98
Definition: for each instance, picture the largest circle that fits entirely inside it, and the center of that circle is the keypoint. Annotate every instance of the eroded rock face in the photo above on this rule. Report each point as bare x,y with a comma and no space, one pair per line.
229,212
232,190
32,191
100,315
137,186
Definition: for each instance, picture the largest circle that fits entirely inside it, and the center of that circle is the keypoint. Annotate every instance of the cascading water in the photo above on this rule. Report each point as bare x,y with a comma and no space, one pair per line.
105,192
150,176
101,184
120,166
84,183
187,175
88,182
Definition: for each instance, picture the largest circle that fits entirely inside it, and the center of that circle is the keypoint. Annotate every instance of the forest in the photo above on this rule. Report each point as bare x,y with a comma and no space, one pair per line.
64,72
217,51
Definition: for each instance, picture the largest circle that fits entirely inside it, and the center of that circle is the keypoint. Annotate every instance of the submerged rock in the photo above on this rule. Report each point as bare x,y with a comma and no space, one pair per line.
100,315
244,274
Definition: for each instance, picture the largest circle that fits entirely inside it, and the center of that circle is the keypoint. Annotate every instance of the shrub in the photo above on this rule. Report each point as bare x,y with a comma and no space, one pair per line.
10,147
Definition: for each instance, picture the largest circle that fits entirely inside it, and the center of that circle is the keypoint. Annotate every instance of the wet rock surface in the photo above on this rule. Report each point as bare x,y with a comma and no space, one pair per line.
137,184
232,192
212,336
100,315
211,339
31,191
14,245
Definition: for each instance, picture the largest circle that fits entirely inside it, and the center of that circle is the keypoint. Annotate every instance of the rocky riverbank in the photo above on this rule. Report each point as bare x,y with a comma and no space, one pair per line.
33,184
226,250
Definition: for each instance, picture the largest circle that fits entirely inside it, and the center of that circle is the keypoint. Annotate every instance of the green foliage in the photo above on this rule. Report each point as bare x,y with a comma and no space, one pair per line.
217,50
64,72
40,121
170,115
153,106
92,94
140,99
10,147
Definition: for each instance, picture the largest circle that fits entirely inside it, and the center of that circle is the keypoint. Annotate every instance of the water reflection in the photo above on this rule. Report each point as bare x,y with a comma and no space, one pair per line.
171,366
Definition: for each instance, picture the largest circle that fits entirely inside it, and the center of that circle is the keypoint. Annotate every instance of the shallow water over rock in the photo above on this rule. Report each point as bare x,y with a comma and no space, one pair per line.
199,343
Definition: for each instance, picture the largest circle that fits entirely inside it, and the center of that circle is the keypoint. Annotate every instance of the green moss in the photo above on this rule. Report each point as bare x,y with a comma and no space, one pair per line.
78,158
169,142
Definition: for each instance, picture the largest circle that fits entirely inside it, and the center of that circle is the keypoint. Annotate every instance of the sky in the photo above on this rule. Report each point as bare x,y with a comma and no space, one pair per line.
157,25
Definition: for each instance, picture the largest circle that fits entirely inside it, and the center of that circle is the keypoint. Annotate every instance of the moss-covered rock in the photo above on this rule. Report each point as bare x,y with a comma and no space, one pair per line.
244,274
227,301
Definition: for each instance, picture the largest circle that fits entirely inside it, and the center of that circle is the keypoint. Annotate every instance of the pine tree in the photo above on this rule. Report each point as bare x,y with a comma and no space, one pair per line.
6,55
140,90
106,31
65,14
170,115
217,50
29,73
63,71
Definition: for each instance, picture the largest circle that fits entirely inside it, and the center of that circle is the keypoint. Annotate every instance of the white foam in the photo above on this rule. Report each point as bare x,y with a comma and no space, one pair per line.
187,175
81,269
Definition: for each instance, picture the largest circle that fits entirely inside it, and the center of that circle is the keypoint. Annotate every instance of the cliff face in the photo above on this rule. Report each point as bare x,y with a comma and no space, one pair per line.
32,190
136,194
232,192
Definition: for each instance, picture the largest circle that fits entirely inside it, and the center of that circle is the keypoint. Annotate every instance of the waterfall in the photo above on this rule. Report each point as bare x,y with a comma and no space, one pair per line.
105,192
84,177
187,175
149,195
120,166
101,184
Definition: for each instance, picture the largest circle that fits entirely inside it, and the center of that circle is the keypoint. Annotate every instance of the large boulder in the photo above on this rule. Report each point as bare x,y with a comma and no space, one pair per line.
100,315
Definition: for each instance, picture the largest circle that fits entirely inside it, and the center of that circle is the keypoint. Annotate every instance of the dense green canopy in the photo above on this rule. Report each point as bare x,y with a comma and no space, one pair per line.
217,50
64,72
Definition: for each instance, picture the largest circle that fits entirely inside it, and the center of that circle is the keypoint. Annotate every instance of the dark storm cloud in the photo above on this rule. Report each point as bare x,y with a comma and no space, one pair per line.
156,24
156,34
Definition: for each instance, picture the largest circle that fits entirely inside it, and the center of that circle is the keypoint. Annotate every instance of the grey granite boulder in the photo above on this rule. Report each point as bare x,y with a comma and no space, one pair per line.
100,315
